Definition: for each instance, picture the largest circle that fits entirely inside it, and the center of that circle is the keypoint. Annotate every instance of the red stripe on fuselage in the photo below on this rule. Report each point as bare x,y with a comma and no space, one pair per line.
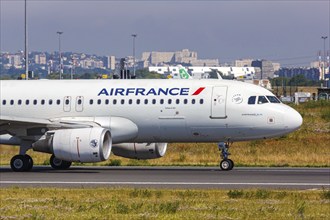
198,91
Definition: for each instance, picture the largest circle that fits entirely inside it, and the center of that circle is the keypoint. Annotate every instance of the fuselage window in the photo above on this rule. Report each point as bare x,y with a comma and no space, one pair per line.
4,102
11,102
252,100
19,102
201,101
50,102
138,101
161,101
27,102
185,101
130,101
107,101
114,101
122,101
146,101
99,101
91,101
42,101
273,99
193,101
67,102
262,100
35,102
154,101
58,101
177,101
170,101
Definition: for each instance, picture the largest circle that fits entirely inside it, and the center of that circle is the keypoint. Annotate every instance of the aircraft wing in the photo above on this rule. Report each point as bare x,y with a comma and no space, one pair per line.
19,125
122,129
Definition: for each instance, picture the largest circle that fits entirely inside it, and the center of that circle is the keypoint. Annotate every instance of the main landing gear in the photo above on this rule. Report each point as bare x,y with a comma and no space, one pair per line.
226,163
59,164
23,162
20,163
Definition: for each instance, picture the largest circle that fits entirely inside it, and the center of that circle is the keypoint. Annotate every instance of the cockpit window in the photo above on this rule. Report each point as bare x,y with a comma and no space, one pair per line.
273,99
252,100
262,100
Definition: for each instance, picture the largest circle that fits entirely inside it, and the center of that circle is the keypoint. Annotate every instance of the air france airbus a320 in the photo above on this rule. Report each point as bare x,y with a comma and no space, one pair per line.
84,120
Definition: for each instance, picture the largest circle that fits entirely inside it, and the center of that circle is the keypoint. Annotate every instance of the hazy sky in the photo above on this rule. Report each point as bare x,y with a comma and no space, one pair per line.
227,30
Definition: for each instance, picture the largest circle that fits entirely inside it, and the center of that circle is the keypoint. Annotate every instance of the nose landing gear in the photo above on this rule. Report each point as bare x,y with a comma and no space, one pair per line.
226,163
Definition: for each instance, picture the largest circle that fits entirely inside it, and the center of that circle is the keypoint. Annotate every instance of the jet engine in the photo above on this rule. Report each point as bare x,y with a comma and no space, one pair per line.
77,145
140,150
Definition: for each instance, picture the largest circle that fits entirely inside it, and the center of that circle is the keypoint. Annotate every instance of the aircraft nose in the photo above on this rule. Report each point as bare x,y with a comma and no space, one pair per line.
293,120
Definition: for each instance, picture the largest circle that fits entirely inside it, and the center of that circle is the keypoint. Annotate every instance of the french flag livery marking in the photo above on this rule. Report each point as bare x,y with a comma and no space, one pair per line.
198,91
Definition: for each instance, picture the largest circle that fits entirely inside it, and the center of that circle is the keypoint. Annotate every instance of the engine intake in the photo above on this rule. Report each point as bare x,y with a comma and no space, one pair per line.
80,145
140,150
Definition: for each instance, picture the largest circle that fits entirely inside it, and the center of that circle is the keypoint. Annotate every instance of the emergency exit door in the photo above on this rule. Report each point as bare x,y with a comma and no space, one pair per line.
219,96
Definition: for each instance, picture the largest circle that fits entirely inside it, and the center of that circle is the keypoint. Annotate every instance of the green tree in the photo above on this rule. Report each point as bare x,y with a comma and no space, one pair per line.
145,74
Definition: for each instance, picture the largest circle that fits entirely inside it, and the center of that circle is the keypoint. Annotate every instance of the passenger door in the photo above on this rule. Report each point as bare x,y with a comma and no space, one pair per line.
218,108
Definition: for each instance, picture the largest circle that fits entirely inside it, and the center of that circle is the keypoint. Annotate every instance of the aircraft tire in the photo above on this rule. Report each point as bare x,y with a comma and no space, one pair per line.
29,161
59,164
226,164
19,163
232,164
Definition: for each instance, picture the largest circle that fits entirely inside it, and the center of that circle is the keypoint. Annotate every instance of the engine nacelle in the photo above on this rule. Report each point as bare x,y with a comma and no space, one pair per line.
140,150
77,145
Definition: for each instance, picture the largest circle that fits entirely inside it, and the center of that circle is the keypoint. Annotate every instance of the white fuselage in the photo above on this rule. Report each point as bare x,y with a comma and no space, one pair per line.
162,110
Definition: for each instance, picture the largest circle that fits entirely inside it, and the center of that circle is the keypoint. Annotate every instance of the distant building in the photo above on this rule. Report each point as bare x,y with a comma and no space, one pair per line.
179,57
205,62
111,62
243,62
40,59
15,60
323,67
90,63
157,58
309,73
276,66
266,69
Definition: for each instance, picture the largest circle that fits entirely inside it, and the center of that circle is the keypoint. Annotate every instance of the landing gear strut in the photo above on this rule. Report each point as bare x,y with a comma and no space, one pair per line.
226,163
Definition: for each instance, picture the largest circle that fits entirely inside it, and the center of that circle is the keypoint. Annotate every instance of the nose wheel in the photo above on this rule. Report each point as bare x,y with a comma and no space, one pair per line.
226,163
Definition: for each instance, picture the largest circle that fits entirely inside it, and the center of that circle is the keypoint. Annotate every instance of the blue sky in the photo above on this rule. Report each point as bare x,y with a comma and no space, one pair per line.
227,30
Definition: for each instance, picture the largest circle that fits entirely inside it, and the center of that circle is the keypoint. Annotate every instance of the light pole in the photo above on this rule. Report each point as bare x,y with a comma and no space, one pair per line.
134,36
26,44
324,38
59,51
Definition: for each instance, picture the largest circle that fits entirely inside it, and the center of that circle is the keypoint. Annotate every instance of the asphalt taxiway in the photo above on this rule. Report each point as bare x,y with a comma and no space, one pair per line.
169,177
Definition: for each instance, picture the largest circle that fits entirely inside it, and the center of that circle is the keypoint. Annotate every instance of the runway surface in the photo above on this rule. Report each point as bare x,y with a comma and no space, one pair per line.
169,177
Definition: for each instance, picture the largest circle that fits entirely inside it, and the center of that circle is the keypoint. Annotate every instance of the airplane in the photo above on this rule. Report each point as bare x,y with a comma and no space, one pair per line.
85,120
181,74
